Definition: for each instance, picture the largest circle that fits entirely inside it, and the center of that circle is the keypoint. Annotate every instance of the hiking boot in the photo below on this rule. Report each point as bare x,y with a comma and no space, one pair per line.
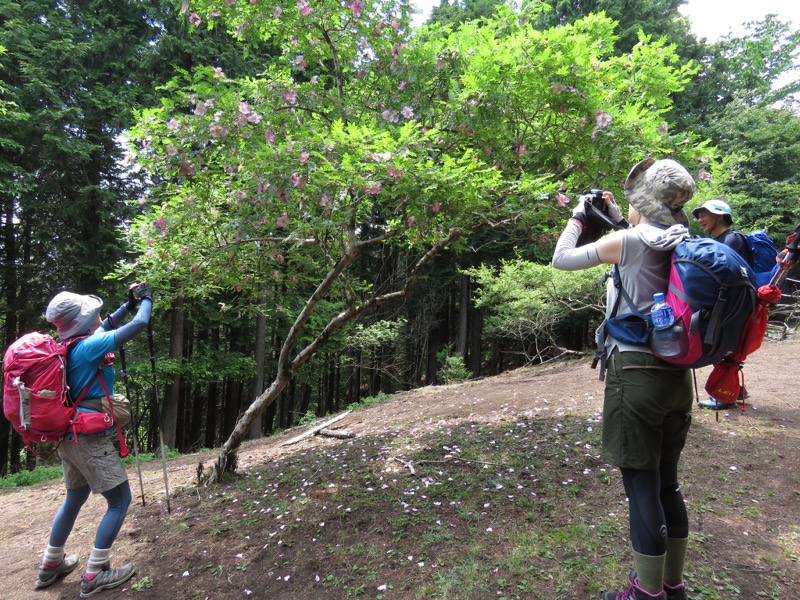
107,579
634,592
49,575
674,592
712,404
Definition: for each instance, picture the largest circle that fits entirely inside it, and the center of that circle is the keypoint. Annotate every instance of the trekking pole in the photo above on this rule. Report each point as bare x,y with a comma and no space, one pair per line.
786,259
124,374
155,403
134,422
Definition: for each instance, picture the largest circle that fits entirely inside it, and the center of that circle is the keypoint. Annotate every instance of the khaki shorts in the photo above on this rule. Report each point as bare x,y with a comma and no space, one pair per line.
93,460
647,411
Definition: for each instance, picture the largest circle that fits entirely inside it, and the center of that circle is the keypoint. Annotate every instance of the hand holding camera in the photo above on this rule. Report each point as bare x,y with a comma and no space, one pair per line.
144,292
136,293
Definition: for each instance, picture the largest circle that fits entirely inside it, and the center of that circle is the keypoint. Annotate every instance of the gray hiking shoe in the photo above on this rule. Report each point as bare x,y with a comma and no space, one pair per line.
49,575
107,579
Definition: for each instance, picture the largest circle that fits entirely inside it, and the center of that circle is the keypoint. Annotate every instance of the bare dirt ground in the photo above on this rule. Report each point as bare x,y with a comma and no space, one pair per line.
740,473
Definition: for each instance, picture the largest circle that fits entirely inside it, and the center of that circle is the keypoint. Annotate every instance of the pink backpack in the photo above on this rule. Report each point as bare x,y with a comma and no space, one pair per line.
35,395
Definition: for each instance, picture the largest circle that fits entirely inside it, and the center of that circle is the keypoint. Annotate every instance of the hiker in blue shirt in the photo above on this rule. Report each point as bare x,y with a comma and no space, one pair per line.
91,463
647,404
716,218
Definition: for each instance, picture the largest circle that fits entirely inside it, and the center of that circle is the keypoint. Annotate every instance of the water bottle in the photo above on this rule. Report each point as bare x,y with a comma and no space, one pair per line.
666,337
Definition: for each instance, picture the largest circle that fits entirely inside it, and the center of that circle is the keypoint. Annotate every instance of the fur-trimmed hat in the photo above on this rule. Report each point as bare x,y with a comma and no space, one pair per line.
659,189
72,314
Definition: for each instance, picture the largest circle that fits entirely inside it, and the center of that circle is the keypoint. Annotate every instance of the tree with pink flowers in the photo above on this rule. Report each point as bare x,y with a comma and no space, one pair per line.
368,138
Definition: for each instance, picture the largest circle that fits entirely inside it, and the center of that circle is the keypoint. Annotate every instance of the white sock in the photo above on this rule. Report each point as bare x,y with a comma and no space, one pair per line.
97,559
53,555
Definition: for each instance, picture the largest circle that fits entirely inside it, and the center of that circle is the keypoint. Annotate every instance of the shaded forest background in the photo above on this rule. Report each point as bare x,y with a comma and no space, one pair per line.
77,76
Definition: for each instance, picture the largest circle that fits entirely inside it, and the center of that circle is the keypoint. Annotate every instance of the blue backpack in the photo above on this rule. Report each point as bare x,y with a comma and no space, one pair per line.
712,293
762,256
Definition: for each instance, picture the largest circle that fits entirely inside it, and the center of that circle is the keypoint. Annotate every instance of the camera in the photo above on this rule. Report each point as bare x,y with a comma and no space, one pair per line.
596,199
598,220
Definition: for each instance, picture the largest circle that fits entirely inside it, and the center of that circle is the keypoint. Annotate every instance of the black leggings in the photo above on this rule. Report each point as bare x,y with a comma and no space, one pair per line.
657,509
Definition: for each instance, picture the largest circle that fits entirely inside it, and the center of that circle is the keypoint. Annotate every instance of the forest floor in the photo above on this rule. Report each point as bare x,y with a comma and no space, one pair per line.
494,488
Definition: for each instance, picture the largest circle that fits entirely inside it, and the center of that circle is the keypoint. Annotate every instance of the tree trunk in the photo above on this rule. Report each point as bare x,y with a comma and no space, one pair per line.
475,334
227,456
258,385
211,415
463,318
169,416
305,399
10,324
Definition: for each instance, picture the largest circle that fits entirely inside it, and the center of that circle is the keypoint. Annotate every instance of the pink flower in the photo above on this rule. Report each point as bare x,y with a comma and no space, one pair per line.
217,131
326,202
704,175
357,6
394,172
282,221
374,189
173,124
521,149
300,63
436,207
304,8
290,96
562,199
184,7
195,19
201,109
269,135
663,128
230,2
248,113
304,156
407,112
602,118
296,180
277,12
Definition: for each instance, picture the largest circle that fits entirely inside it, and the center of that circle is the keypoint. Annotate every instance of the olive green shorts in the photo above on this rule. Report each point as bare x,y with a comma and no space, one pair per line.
93,460
647,411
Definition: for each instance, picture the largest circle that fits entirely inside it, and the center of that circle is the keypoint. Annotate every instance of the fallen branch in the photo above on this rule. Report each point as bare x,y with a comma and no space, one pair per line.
458,459
316,429
342,435
407,464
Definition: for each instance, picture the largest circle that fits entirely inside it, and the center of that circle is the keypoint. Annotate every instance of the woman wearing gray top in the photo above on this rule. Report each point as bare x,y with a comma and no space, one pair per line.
647,405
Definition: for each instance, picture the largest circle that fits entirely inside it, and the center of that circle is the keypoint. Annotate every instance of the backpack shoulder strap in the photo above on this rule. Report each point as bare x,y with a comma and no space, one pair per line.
739,242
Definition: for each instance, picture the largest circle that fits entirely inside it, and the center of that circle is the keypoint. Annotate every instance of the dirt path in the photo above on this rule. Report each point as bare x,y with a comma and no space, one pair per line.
734,446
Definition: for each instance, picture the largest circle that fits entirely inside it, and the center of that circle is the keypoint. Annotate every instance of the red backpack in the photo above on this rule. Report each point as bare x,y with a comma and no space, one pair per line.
35,394
36,397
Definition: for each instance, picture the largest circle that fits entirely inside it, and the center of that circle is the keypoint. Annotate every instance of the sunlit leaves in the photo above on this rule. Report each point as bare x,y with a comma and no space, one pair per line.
361,133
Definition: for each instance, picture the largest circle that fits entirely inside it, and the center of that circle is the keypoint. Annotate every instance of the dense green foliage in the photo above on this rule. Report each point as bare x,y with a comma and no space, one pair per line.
540,308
